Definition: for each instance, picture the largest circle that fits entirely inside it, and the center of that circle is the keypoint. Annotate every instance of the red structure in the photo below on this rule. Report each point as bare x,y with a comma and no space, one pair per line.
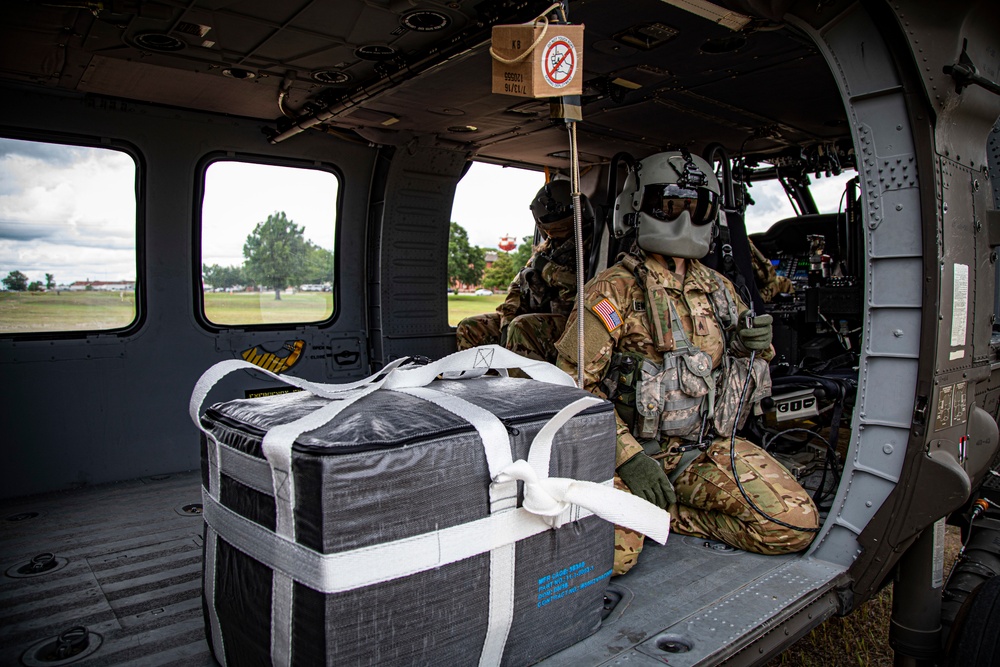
507,243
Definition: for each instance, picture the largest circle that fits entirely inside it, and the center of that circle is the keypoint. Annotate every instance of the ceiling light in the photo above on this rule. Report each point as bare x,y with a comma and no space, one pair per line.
157,41
425,20
374,52
330,76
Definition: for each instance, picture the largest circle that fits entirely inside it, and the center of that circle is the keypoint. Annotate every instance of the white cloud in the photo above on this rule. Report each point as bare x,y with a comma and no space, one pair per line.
66,210
771,203
238,195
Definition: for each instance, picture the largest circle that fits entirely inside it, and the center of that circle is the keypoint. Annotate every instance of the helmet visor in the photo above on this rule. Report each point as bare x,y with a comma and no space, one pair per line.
668,202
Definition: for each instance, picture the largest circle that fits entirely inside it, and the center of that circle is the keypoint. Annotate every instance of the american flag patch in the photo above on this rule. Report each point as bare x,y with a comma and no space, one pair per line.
608,314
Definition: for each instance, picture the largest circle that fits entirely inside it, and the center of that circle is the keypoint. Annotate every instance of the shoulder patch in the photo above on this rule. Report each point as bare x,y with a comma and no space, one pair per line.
608,314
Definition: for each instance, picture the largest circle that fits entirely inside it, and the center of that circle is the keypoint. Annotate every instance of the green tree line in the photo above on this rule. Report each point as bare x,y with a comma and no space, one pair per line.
276,255
18,282
467,262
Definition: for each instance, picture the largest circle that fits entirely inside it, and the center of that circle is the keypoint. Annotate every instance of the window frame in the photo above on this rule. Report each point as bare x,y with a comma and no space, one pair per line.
139,185
198,225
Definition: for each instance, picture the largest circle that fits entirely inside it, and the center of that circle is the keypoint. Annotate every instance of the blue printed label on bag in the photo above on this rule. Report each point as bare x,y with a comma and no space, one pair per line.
567,581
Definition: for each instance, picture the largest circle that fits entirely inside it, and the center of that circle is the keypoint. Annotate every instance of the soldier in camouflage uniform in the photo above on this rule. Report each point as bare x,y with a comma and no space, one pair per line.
669,341
532,317
769,283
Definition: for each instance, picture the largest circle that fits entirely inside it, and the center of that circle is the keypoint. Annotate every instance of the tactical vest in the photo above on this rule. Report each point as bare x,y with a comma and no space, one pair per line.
681,396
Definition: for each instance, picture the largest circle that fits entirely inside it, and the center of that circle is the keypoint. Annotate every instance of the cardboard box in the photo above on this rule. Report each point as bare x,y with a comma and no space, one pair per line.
552,69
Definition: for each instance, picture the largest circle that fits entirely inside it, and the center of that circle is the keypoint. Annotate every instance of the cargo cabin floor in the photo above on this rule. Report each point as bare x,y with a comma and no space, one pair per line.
124,561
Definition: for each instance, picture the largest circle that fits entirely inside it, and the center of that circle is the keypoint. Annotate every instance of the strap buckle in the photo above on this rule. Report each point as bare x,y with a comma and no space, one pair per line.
700,444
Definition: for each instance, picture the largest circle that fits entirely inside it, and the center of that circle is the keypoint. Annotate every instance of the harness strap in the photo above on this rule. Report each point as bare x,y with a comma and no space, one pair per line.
687,458
657,303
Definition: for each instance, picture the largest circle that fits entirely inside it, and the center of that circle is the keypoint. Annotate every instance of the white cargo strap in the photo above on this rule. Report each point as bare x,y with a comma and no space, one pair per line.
552,499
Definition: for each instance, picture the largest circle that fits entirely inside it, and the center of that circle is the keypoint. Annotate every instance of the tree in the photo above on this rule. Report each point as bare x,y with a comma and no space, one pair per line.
50,281
499,276
35,286
318,267
522,254
16,281
465,262
275,253
223,276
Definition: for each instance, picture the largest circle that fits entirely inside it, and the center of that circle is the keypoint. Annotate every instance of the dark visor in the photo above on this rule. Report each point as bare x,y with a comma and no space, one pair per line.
667,202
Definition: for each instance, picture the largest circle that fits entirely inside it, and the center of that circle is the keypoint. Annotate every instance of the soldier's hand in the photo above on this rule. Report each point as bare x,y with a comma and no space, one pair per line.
503,335
755,334
645,478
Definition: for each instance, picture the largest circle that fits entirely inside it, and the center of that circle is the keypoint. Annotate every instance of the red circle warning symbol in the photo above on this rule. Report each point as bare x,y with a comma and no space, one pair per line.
559,62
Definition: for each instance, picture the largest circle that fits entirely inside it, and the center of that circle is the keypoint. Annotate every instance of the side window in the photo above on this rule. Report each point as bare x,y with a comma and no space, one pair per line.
267,243
489,237
67,238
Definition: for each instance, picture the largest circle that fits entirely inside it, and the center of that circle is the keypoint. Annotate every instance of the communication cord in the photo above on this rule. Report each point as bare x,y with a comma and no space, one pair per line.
732,455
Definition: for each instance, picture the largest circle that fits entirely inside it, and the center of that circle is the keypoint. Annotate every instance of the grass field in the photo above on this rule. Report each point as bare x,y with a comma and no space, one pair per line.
39,312
262,308
463,305
47,312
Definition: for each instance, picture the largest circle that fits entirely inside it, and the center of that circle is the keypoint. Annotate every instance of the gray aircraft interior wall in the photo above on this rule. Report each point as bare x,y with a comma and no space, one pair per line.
107,407
411,316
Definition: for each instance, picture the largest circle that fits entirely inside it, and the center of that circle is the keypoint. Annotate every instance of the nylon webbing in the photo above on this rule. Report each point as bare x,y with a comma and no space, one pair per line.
364,566
551,499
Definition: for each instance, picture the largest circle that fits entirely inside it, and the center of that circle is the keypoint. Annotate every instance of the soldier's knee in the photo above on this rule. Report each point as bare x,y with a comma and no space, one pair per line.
628,545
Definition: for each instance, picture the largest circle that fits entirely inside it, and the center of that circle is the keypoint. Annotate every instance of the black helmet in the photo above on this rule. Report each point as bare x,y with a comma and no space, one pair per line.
552,209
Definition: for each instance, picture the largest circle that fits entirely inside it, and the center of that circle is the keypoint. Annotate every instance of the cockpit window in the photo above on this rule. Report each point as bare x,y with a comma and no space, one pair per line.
68,231
770,203
267,243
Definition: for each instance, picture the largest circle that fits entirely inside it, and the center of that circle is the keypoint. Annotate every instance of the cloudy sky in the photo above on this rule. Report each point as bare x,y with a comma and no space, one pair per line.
70,211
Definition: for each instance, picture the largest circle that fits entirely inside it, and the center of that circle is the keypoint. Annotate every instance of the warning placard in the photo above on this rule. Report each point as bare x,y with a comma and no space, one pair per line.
559,62
548,65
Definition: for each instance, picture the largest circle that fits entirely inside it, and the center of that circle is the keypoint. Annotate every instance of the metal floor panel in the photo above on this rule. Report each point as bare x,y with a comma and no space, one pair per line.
129,569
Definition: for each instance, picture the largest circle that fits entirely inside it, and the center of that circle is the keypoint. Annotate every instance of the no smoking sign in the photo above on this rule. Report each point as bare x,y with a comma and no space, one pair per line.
559,62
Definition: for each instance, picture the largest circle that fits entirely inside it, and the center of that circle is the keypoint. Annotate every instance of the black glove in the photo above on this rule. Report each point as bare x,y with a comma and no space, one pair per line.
755,335
503,335
645,478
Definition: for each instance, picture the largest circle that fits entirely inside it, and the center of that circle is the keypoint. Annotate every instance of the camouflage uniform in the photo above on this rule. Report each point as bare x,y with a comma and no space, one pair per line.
534,312
709,502
769,283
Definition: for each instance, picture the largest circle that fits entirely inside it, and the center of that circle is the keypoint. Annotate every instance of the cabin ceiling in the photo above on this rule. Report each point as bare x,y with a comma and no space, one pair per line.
392,70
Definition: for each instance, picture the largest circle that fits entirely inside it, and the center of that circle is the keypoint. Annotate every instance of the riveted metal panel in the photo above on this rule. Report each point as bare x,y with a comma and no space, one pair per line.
896,283
883,381
900,213
895,332
884,450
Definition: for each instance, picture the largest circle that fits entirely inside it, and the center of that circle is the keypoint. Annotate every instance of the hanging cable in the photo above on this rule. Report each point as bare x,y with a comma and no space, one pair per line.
732,456
574,170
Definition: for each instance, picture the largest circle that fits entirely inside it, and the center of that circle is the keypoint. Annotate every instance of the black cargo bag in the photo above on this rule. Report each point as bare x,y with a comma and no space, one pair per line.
409,519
